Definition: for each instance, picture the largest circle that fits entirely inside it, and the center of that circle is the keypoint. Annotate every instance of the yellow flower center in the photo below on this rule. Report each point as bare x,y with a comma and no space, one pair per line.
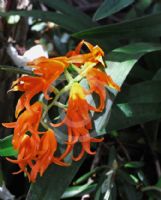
77,91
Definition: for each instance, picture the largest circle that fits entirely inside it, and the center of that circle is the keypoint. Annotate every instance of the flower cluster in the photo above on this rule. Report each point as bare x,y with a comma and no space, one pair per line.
37,147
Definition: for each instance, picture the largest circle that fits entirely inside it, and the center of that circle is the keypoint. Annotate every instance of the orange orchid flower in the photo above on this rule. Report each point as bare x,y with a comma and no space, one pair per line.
45,155
27,122
78,122
48,70
36,156
36,150
97,80
27,153
94,56
31,86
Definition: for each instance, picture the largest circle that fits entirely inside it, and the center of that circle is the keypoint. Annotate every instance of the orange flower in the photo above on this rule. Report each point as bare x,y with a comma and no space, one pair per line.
45,155
35,156
78,122
35,149
94,56
48,70
27,122
27,153
30,86
97,80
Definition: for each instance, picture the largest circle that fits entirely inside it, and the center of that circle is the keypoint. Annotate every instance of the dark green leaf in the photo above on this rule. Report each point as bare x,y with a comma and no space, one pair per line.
122,60
53,183
134,164
109,7
157,76
84,178
75,191
124,176
15,70
145,92
129,192
130,114
105,185
65,21
148,26
69,10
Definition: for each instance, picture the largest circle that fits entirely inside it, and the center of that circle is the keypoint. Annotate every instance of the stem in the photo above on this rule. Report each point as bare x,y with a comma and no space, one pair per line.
77,69
68,86
44,125
55,90
68,76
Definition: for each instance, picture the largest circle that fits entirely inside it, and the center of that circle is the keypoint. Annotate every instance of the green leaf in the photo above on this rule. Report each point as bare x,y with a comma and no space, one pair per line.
147,26
134,164
134,94
6,148
106,185
6,142
69,10
125,177
130,114
76,191
129,192
122,60
157,76
67,22
15,70
109,7
9,151
89,174
127,186
53,183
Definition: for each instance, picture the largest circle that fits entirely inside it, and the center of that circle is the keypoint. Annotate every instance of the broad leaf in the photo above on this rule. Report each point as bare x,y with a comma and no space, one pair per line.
129,114
53,183
109,7
145,92
148,26
69,10
67,22
6,148
122,61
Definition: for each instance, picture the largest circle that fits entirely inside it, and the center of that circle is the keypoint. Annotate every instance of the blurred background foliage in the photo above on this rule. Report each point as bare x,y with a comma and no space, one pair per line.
127,165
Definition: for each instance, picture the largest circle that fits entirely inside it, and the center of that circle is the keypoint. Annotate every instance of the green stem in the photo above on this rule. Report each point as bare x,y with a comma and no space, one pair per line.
55,90
68,86
44,125
68,76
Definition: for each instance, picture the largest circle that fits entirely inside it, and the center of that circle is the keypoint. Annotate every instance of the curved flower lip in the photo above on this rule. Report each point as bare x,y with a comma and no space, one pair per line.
39,157
27,121
95,55
41,60
78,122
97,81
48,70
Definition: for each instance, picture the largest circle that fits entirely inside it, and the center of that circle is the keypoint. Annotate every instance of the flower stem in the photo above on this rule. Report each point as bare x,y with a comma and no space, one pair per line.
68,86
